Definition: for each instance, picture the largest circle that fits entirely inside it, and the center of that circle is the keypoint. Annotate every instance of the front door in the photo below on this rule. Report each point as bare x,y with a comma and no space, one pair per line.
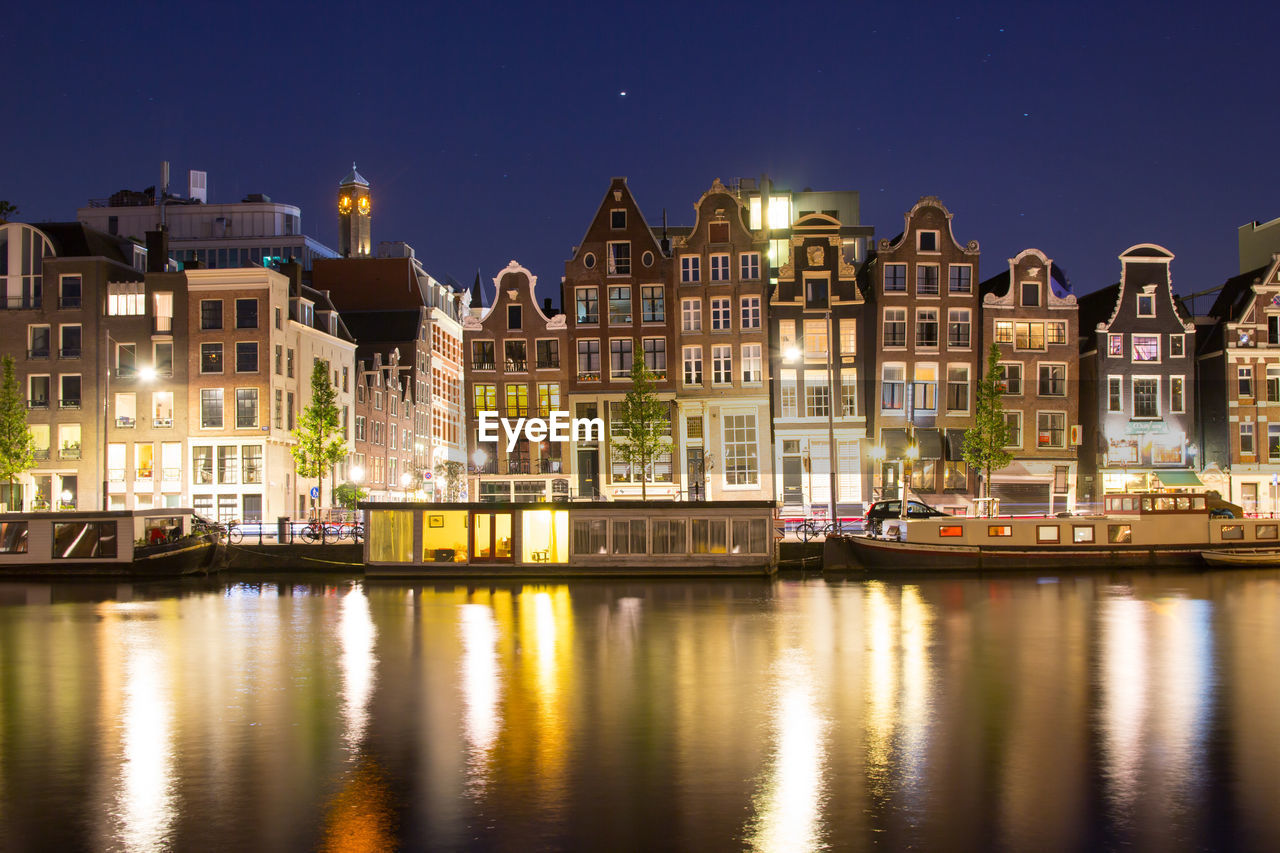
491,536
889,476
697,474
792,480
588,473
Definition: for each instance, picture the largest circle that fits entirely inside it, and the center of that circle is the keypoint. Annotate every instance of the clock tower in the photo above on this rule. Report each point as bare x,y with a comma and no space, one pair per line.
354,240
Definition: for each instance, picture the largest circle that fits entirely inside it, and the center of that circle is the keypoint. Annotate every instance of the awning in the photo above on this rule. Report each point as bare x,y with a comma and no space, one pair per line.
1179,478
929,441
955,445
895,443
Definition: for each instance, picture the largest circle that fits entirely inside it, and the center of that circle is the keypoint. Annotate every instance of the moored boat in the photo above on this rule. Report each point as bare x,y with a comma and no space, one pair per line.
1243,557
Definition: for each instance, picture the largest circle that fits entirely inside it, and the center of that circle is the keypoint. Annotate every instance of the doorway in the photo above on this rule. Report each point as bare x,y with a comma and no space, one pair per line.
588,473
792,479
889,477
491,536
693,460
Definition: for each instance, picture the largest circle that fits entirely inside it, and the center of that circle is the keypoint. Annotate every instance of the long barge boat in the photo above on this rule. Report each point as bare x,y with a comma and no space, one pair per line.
1147,530
113,543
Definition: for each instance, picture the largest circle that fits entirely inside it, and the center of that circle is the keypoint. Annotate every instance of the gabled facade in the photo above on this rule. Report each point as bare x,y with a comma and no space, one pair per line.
722,347
617,296
517,368
383,458
818,343
1239,377
1138,381
1029,312
925,286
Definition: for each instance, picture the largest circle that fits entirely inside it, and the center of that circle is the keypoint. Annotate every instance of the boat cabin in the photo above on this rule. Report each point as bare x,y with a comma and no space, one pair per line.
1153,503
590,538
74,540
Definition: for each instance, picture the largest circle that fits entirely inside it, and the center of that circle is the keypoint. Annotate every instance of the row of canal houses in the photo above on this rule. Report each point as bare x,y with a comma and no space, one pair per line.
798,355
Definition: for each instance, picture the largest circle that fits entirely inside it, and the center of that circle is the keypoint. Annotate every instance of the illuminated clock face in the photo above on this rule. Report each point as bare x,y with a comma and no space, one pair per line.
344,204
364,204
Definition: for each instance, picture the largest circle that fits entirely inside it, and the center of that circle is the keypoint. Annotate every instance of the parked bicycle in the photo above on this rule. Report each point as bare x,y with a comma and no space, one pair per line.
315,531
811,529
234,533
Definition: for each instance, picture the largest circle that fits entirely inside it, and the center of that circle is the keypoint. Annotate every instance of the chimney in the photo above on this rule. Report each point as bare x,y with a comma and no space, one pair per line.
292,270
157,250
546,306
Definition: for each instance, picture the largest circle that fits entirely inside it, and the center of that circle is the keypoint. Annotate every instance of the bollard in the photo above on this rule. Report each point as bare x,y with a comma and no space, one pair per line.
282,529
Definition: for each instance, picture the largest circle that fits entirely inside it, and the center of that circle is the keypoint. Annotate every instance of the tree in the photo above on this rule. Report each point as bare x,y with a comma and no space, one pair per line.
985,441
451,473
7,210
17,444
319,434
348,495
644,423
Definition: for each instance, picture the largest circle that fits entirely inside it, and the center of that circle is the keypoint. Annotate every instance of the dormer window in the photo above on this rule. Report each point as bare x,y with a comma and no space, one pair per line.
927,241
1146,305
1030,294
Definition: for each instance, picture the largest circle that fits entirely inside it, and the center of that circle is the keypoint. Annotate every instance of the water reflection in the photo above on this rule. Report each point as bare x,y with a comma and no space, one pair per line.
481,686
357,634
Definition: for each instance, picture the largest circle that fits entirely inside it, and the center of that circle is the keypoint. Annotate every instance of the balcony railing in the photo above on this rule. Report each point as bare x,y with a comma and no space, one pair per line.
68,301
516,365
69,352
42,453
19,303
38,404
125,423
171,475
144,474
69,404
551,466
588,376
548,364
489,467
38,353
518,466
162,423
482,365
69,453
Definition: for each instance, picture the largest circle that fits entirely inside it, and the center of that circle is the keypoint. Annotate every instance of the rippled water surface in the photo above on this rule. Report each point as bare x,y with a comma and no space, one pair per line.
1073,712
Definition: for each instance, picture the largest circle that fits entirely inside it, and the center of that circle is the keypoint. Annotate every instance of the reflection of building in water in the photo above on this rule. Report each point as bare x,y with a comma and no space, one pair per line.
360,818
1251,631
481,683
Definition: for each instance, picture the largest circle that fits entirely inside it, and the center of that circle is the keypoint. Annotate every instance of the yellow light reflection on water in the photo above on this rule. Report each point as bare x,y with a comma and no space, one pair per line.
1124,695
356,635
481,685
789,803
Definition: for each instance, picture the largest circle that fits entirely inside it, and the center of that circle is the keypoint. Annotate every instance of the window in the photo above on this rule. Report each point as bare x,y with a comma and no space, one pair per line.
719,267
1004,331
228,464
126,409
1146,305
751,312
652,304
589,536
1082,533
515,317
70,387
162,355
517,400
1246,439
70,292
1273,442
252,464
548,398
958,328
655,355
1273,331
817,394
38,393
927,327
70,339
1052,429
211,358
1114,394
960,278
692,357
788,393
848,343
718,232
484,397
752,369
1028,336
925,394
741,465
619,305
816,293
589,359
893,386
246,313
210,314
629,536
926,279
548,353
1244,381
1115,346
1030,294
722,365
750,536
1048,533
1119,534
1053,380
13,537
848,393
690,269
620,258
720,315
211,408
246,408
1177,342
288,363
1013,420
516,356
691,315
927,241
895,278
1056,332
162,409
1146,397
482,355
1000,530
749,266
618,219
1146,347
620,356
38,341
588,305
1011,378
895,327
1177,397
246,357
958,388
79,539
815,339
278,418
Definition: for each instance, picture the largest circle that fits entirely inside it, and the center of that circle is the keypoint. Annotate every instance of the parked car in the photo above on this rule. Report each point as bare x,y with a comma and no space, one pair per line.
881,510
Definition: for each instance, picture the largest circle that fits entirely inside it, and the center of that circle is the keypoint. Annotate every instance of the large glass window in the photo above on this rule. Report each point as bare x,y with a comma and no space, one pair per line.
692,357
587,305
655,356
211,358
751,312
957,388
1146,398
211,408
246,357
893,387
960,278
653,304
752,363
246,313
817,394
958,326
895,327
210,314
691,315
590,536
1146,347
1053,380
246,408
252,464
927,279
927,327
741,466
720,315
722,365
84,539
895,277
547,351
669,536
1052,429
589,359
390,536
620,305
620,356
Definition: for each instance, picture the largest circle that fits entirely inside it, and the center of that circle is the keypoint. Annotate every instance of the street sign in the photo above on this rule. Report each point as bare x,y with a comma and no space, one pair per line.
315,492
426,475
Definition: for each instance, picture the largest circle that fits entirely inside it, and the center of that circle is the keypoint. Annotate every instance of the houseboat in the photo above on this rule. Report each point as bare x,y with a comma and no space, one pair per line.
562,539
122,543
1136,531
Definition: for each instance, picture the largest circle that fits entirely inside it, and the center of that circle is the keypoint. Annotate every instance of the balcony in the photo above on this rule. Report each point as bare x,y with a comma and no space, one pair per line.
69,403
551,466
482,365
518,466
20,303
489,467
162,423
69,352
69,452
123,422
38,404
144,475
516,366
171,475
42,453
36,354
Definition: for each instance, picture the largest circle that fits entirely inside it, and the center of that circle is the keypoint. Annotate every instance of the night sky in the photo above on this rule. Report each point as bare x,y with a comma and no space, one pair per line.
490,132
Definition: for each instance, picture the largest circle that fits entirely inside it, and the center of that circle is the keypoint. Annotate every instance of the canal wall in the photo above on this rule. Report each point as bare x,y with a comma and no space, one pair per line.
296,556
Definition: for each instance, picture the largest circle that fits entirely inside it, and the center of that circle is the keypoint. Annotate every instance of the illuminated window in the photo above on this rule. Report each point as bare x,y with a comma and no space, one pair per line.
1119,534
692,358
951,530
548,398
1055,333
1048,533
484,398
123,298
444,536
1082,533
1000,530
1004,331
788,394
895,327
1146,347
1028,336
817,394
848,392
390,536
926,387
517,400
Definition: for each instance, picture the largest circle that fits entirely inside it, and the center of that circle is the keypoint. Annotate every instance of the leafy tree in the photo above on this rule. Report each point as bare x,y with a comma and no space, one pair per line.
984,442
347,495
17,444
320,444
643,425
7,210
451,473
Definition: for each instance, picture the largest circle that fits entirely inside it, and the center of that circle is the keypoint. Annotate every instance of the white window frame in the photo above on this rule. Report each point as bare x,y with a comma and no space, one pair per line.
937,337
1133,348
937,241
690,269
1016,414
722,364
752,364
1182,346
1182,409
1040,365
1065,430
967,322
750,312
1022,378
691,315
721,304
1133,398
1118,381
900,316
689,356
749,266
968,267
968,381
719,267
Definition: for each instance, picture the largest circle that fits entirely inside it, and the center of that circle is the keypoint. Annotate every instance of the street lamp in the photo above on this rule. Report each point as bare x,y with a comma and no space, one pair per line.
357,474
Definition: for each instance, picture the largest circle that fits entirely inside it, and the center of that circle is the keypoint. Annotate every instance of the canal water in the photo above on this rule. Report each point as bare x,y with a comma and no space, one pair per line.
1072,712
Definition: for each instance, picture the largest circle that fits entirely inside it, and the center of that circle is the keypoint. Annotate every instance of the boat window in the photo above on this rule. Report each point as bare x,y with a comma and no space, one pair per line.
1146,505
390,536
668,536
950,530
1184,503
1048,533
1000,530
13,537
1119,534
444,536
1265,531
1165,504
750,536
1233,531
630,536
84,539
1082,533
1197,502
589,536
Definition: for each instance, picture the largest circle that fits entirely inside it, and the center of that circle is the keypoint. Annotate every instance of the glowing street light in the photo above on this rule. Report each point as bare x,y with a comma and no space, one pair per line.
357,474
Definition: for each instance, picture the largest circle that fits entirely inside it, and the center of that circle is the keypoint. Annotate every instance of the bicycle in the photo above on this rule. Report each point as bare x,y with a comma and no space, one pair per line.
316,531
234,533
811,529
